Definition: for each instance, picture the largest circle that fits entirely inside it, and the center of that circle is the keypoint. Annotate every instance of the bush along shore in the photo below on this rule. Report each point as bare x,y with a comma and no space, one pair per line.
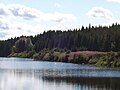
104,59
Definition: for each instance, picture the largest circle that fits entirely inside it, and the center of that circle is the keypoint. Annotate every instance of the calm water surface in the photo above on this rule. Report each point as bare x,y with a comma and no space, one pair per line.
26,74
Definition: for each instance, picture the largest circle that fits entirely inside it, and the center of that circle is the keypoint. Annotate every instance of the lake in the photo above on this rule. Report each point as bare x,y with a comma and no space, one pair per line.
26,74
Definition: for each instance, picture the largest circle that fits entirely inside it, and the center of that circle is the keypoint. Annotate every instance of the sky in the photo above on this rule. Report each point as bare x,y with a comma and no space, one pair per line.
32,17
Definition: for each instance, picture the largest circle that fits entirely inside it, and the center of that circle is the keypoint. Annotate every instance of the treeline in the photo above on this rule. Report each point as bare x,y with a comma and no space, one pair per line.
106,38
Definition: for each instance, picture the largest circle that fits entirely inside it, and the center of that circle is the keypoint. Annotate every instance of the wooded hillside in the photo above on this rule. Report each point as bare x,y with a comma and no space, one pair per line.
87,38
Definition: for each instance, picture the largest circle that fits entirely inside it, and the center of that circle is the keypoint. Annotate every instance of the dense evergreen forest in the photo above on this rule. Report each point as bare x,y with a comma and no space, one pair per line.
101,38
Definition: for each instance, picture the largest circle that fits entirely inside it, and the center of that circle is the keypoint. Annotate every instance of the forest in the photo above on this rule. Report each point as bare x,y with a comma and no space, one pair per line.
101,38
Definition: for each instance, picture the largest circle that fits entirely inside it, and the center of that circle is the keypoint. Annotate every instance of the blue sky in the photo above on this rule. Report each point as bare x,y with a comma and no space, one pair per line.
28,17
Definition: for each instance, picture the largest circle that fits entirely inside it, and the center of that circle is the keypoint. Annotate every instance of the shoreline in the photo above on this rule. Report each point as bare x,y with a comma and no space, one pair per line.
95,58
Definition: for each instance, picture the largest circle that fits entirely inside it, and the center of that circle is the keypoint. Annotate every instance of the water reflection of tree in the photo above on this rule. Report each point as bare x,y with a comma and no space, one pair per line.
88,83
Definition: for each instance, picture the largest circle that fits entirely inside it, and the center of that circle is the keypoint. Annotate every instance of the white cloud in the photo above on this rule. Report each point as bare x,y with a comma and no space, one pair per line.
4,24
17,20
23,11
116,1
31,13
4,12
60,17
20,28
57,5
100,12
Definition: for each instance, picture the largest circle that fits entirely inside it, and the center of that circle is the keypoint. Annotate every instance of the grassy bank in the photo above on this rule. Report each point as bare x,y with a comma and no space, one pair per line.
104,59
